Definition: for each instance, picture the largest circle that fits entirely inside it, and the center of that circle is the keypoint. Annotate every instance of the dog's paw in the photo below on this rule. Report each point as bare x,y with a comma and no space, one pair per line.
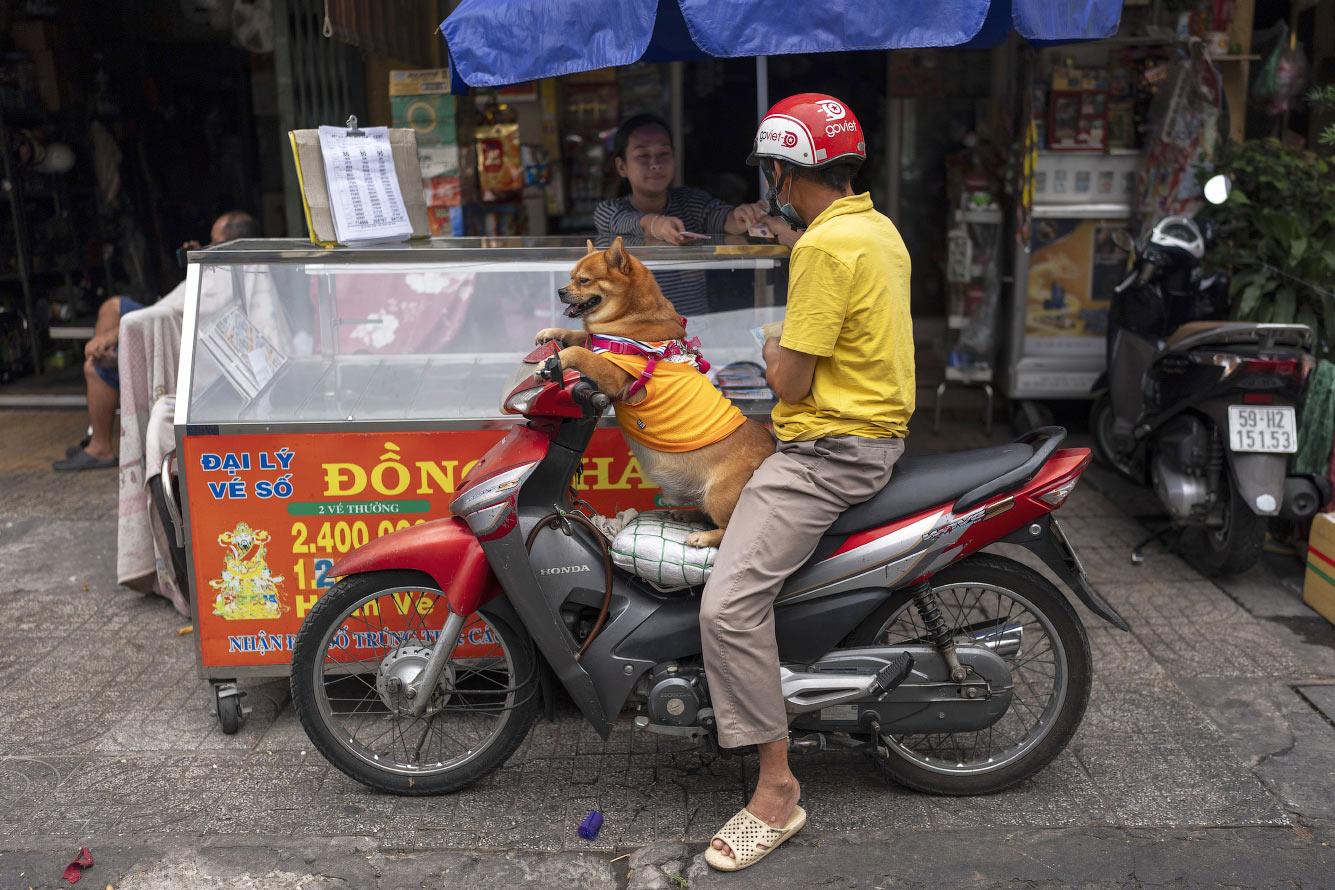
687,514
711,538
546,335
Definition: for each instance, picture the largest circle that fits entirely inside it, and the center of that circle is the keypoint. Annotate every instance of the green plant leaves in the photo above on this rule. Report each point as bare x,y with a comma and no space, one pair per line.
1285,306
1297,247
1306,316
1282,208
1251,295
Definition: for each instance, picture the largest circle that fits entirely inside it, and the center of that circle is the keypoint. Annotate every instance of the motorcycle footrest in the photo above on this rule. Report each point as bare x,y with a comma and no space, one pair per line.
894,673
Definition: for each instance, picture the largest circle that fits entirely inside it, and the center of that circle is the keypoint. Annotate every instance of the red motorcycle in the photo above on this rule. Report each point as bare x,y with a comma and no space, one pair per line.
955,671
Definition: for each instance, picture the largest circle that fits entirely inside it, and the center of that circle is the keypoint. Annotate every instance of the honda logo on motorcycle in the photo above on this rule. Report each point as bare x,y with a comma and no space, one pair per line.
564,570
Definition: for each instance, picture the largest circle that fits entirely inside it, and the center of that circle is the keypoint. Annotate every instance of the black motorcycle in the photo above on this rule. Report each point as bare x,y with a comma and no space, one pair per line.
1204,410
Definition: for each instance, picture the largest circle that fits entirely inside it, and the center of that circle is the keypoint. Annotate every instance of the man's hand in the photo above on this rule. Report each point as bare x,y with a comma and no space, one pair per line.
101,346
788,371
783,233
743,217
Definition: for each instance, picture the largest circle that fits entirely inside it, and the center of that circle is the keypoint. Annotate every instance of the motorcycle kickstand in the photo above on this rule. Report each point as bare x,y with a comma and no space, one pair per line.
1138,551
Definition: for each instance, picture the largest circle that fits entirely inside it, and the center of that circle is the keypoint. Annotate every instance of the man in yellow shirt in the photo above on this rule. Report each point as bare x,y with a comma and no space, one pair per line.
843,372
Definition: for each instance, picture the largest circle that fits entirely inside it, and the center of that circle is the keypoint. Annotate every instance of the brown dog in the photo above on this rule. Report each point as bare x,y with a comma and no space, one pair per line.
690,440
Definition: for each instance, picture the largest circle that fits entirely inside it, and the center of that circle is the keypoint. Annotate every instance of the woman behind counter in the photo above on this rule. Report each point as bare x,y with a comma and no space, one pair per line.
642,152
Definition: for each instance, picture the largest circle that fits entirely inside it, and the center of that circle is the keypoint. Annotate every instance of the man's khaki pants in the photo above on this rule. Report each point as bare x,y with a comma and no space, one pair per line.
790,502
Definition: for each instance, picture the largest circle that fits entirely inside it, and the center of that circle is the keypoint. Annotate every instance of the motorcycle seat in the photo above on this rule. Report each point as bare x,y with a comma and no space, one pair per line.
1192,328
652,545
930,480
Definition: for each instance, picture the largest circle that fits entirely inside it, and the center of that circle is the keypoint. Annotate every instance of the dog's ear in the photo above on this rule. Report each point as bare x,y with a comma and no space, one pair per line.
591,249
617,257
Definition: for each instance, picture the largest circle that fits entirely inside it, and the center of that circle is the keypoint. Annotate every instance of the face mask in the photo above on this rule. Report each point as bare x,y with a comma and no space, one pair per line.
785,211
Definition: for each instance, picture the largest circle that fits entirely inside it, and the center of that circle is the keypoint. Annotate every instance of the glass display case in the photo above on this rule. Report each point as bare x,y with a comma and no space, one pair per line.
327,397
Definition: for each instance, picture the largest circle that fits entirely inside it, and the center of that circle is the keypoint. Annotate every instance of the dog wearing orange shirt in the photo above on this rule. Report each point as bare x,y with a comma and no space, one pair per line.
690,441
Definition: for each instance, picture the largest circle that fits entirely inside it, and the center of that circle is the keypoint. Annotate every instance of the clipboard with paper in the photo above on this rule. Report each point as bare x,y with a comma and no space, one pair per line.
360,186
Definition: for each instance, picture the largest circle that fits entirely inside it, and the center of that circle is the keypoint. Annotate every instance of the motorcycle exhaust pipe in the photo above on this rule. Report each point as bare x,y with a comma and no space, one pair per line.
1304,496
1007,643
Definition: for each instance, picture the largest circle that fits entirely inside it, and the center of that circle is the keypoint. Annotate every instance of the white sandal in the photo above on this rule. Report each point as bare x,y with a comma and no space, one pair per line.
750,839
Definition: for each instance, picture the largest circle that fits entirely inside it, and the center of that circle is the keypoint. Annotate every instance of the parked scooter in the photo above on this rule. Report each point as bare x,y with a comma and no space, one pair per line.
1204,410
957,672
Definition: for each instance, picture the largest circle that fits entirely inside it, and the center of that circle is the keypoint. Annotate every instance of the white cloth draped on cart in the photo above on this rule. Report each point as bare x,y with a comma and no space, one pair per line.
148,352
159,441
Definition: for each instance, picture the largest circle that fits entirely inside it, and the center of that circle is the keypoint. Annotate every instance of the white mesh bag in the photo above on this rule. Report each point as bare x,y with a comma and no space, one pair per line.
653,546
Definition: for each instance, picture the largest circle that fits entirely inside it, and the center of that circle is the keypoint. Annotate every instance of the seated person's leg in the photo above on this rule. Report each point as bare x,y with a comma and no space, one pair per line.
102,381
103,394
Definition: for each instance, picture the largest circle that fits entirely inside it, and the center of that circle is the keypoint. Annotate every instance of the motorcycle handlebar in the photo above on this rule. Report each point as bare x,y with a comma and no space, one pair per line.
585,393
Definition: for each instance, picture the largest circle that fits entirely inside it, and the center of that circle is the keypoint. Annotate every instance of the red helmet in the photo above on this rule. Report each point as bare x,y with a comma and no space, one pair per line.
809,130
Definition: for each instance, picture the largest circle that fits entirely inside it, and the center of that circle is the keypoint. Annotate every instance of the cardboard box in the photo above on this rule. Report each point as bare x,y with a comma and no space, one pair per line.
419,83
430,117
449,191
457,222
1319,585
440,221
438,160
442,191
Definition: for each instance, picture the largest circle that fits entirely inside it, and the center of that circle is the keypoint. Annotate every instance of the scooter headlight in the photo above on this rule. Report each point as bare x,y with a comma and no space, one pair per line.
521,389
520,402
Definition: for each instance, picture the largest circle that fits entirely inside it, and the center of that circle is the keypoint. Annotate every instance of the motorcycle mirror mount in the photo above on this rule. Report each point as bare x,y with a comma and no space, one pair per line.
1218,188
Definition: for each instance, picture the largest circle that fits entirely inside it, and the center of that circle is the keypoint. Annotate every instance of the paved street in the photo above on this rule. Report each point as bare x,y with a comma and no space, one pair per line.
1207,756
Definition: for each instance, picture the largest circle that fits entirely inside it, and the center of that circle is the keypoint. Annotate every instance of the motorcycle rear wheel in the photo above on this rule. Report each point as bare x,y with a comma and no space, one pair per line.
1050,673
369,634
1234,547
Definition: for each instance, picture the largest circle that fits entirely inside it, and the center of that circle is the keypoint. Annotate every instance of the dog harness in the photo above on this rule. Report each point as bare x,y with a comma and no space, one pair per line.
683,351
681,410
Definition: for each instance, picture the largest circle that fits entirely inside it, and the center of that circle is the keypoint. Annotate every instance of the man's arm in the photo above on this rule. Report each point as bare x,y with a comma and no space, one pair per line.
788,371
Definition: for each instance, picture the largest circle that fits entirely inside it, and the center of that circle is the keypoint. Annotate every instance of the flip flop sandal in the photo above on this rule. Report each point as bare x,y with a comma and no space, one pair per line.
751,839
82,460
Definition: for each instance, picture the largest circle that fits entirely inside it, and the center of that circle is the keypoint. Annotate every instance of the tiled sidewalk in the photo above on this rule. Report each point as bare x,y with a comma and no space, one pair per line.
109,731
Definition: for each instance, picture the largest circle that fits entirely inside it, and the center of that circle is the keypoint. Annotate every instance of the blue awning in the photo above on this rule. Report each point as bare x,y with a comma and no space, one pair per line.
498,42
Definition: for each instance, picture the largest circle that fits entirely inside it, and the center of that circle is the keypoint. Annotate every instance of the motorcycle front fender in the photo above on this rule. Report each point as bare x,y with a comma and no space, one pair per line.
446,549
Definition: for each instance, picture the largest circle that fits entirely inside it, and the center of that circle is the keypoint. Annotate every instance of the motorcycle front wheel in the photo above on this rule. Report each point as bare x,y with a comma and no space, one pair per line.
1101,419
365,641
982,598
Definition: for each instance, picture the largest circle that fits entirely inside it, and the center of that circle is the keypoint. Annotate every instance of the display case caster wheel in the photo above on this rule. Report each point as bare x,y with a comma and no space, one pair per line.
227,705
